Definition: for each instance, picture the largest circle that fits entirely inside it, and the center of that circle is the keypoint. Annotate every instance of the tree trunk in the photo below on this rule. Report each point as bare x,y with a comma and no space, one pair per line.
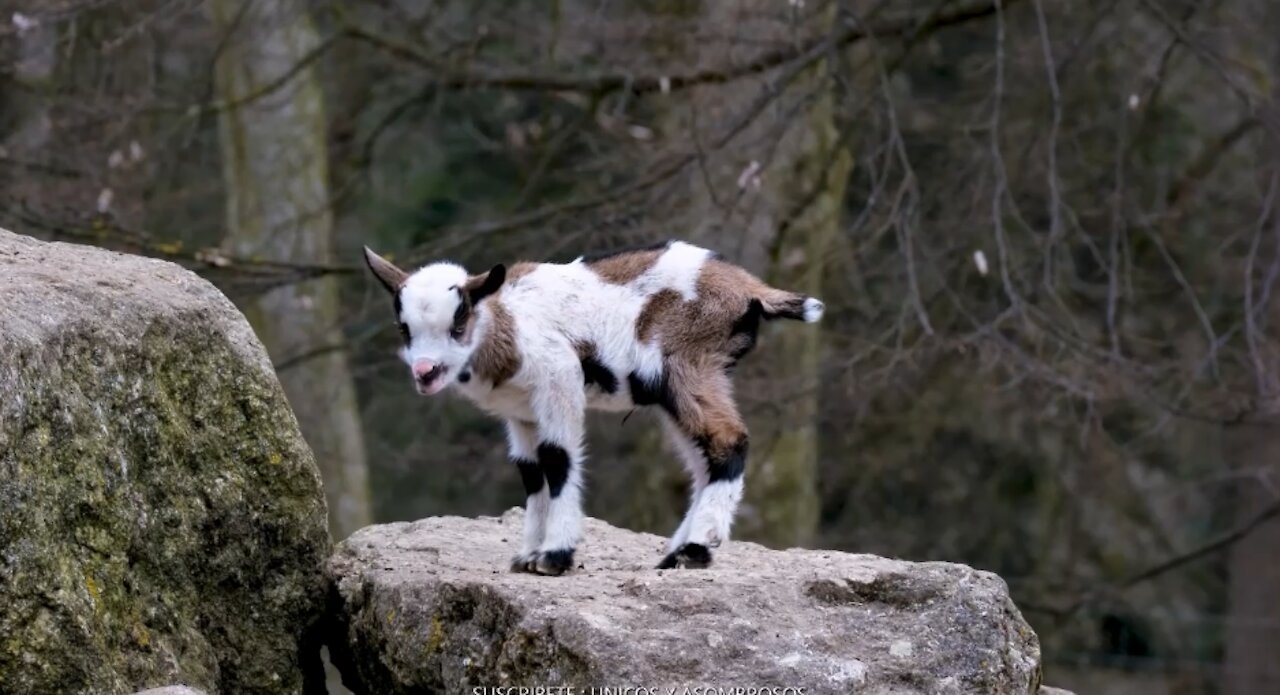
36,61
1252,658
276,174
25,123
806,195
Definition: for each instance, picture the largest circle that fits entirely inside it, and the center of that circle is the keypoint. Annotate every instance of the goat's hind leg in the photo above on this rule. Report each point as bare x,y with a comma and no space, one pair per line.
712,430
522,443
689,454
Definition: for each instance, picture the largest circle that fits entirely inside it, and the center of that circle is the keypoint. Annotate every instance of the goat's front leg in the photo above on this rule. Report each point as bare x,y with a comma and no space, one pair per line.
522,446
560,407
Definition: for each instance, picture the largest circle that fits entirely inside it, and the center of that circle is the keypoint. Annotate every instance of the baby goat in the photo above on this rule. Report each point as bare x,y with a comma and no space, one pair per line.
540,343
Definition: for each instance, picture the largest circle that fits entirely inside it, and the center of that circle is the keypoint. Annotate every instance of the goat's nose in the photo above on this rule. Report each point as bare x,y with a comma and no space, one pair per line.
423,368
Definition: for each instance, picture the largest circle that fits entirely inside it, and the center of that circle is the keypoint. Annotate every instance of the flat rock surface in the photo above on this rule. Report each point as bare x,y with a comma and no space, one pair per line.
430,607
161,517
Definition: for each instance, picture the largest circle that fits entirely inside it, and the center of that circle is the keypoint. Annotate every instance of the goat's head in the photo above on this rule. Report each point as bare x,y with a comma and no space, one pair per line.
436,313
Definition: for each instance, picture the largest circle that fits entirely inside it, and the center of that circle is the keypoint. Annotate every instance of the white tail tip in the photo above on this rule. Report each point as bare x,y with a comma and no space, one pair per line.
813,310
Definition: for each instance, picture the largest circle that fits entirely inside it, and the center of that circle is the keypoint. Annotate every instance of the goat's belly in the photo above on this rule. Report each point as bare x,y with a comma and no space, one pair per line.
610,390
616,402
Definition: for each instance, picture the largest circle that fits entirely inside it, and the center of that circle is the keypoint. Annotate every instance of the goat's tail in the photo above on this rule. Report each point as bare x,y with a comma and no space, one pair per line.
781,304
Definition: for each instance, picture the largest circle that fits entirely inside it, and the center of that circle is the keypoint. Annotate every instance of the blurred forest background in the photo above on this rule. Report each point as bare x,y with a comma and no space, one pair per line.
1047,232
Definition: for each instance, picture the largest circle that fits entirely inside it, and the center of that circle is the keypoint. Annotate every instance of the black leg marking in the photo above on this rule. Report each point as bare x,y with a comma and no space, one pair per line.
688,556
594,372
554,562
743,333
530,475
724,465
652,392
554,461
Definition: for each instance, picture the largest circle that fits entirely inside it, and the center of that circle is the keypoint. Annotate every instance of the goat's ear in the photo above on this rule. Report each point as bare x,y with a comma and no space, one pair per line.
482,286
390,276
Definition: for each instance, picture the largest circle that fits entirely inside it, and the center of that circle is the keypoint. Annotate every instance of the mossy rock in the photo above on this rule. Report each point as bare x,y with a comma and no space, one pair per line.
161,518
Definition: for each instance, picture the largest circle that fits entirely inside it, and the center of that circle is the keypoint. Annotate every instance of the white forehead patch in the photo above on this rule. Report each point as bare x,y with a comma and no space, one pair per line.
429,296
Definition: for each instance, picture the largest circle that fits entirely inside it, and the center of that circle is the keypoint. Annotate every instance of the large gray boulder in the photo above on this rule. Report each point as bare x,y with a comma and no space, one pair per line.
161,518
429,607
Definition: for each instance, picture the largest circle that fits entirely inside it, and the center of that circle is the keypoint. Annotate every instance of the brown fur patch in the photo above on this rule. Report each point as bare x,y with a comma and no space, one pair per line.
497,358
700,341
705,409
657,308
521,269
723,279
705,325
624,267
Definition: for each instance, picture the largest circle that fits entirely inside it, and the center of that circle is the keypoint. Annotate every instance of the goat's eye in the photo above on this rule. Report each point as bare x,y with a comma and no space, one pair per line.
457,331
404,331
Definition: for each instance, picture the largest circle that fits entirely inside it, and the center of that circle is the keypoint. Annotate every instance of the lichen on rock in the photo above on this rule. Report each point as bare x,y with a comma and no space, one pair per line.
161,518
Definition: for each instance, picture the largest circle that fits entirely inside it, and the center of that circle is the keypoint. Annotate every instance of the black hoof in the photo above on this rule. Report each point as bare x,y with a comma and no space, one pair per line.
524,562
694,556
553,563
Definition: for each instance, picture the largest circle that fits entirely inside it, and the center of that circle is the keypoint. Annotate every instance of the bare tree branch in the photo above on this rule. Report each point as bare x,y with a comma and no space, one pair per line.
447,77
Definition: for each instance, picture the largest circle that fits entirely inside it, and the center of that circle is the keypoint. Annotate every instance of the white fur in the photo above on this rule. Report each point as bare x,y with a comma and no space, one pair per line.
713,515
813,310
696,464
427,303
559,404
564,520
677,268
